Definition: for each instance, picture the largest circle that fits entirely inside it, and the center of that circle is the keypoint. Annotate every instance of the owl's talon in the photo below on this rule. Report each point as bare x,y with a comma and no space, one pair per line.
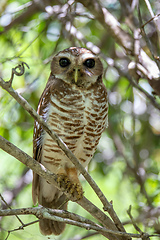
71,187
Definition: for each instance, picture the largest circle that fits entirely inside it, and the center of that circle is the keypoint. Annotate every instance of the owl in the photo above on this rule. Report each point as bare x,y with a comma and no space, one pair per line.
74,104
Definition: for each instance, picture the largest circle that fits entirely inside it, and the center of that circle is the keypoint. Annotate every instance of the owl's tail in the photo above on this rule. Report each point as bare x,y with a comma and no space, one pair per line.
48,227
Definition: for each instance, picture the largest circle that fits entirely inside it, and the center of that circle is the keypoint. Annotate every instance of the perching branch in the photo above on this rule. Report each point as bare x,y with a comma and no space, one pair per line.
52,178
63,216
69,218
42,171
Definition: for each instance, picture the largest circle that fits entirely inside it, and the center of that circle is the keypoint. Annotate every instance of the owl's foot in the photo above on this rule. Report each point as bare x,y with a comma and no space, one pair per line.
73,188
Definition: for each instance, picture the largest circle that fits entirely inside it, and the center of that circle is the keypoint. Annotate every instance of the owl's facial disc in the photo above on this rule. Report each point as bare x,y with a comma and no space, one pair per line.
80,67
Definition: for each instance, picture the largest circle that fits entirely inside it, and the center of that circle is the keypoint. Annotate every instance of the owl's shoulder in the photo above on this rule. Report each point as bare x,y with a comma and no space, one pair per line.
98,89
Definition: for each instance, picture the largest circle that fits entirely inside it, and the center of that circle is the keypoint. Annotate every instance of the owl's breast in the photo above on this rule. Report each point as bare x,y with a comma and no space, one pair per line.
79,120
67,117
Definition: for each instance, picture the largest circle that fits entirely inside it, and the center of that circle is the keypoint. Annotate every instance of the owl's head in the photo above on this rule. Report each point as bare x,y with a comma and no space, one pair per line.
77,66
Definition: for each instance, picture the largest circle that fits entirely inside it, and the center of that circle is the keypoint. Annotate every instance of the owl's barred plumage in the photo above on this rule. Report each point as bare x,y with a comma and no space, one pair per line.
74,104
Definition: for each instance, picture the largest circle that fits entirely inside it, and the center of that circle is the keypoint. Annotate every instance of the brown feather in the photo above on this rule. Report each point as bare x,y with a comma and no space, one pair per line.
77,112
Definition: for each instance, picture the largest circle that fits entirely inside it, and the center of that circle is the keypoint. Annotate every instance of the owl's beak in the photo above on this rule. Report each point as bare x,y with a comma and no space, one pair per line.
76,70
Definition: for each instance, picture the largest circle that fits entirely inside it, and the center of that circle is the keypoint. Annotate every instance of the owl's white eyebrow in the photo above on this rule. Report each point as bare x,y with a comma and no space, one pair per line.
87,55
67,55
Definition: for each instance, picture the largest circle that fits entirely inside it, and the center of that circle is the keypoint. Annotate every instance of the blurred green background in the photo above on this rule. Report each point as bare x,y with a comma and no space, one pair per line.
127,162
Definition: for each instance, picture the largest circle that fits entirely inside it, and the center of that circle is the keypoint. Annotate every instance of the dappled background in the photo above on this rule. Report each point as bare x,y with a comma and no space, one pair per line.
127,162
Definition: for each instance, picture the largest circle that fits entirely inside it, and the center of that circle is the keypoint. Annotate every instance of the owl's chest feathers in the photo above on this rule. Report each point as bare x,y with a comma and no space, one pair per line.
79,119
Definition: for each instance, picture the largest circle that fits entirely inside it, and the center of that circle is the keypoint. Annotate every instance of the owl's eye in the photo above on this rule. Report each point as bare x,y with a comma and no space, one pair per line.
64,62
89,63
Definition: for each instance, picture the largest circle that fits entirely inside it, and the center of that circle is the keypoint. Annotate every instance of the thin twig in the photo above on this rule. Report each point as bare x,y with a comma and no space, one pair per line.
153,18
21,227
134,84
144,236
150,20
10,208
146,38
21,71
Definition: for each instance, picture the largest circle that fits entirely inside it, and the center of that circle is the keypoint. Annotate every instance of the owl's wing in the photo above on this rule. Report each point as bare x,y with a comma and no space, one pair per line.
38,132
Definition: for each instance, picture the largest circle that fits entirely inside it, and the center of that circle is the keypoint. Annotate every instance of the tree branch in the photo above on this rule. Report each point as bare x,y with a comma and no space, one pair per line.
64,216
52,178
134,84
109,22
32,8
